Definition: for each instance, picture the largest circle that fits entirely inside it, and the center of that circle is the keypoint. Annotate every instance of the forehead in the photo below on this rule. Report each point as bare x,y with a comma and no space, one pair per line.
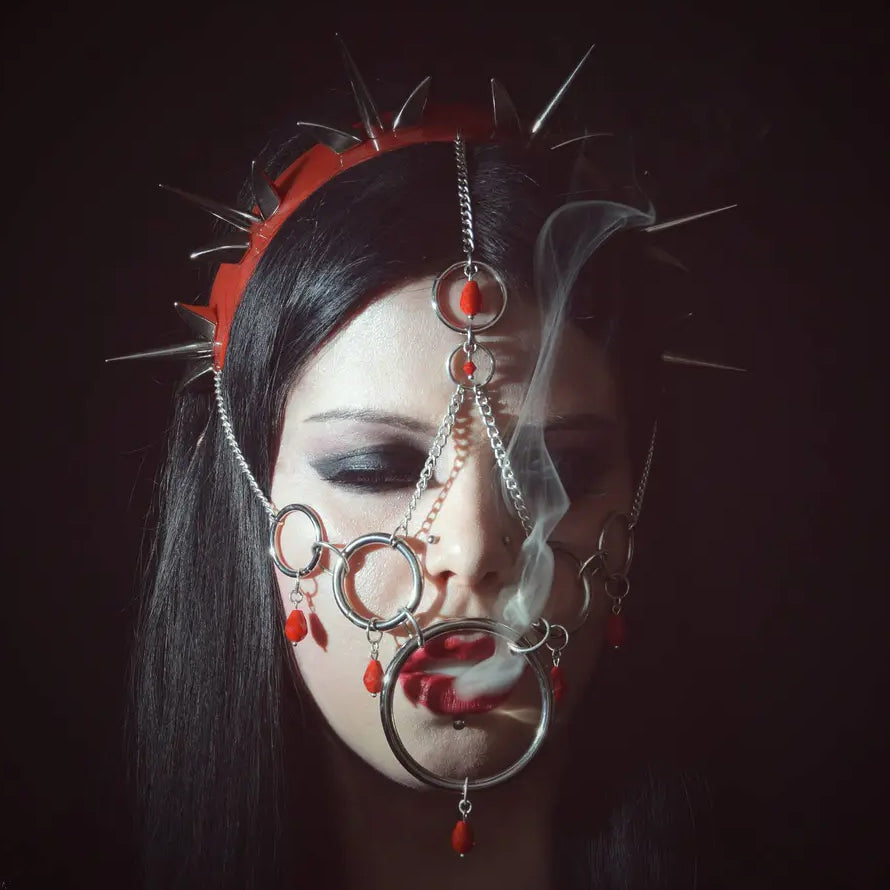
392,356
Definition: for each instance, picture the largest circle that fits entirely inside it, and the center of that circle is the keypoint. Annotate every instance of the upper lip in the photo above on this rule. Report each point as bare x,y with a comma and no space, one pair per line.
450,647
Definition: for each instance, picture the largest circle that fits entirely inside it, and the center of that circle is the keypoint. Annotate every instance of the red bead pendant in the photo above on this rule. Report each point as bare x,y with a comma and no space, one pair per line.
373,678
295,628
462,838
616,631
558,682
470,299
469,369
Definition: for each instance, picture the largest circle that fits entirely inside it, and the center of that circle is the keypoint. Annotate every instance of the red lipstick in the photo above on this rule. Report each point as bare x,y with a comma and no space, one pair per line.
423,685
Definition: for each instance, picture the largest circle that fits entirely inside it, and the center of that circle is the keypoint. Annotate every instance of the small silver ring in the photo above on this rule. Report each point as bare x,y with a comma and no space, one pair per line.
397,544
411,618
524,650
470,383
390,682
437,284
615,577
324,545
275,548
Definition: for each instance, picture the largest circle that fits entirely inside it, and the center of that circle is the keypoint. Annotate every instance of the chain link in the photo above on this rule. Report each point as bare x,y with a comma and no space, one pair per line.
229,433
502,458
466,208
439,440
644,480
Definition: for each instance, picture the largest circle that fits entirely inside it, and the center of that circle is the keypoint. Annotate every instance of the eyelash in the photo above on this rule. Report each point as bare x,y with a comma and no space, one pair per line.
373,472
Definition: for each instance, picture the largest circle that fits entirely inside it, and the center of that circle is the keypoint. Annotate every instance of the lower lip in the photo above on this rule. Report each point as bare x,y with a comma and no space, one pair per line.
436,693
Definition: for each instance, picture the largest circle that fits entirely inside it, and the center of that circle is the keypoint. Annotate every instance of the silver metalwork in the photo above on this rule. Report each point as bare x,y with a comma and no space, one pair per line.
371,540
231,215
471,325
197,371
617,598
465,806
504,111
432,458
556,650
532,647
198,349
581,575
196,322
466,206
390,683
274,543
267,198
551,106
411,113
325,545
674,358
432,539
367,110
222,253
336,140
624,566
229,433
412,620
576,139
682,220
640,493
471,381
502,459
506,540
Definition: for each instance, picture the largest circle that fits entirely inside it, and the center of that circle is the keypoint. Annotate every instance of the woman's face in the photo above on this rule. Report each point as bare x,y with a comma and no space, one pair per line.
357,428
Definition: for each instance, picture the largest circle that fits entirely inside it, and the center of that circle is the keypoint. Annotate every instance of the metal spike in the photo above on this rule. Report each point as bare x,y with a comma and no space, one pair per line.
411,113
198,323
366,108
200,349
199,371
673,358
506,117
575,139
267,199
336,140
237,218
682,220
541,119
223,253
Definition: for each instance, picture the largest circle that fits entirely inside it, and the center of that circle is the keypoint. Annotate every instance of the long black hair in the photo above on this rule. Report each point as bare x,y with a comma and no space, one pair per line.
219,730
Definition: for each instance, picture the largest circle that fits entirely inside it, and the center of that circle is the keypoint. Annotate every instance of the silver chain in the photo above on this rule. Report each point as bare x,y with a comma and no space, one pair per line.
466,208
502,458
644,480
229,433
442,435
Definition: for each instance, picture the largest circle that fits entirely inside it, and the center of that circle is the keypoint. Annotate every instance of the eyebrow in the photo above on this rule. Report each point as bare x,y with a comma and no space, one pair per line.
364,415
583,422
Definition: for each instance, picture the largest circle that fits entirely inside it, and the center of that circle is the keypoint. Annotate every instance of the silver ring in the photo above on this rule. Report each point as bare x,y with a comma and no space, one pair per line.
343,566
470,383
557,547
412,620
390,678
629,552
524,650
277,526
474,327
617,577
324,545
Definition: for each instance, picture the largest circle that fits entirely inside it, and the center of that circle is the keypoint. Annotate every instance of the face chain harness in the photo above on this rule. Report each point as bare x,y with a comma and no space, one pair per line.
468,297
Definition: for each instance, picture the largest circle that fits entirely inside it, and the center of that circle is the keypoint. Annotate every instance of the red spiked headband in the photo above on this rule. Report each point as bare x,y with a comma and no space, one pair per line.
337,151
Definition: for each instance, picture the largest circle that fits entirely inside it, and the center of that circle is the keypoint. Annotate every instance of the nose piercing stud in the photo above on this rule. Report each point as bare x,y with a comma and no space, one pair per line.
432,539
507,540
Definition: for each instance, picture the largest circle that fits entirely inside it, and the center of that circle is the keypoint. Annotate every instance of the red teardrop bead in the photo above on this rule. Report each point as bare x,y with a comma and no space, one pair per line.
469,369
558,682
295,627
462,838
373,678
470,299
616,631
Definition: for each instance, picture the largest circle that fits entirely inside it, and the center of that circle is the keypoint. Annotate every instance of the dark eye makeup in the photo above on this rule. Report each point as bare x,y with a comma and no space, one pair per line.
372,470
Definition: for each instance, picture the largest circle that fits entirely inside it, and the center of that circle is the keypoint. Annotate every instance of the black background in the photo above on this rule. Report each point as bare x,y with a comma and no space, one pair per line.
778,484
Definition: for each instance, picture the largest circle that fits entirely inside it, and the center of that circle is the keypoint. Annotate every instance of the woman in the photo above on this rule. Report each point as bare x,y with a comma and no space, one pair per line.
495,446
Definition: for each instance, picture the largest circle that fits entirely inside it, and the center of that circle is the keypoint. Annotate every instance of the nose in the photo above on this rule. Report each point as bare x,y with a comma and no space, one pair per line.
473,551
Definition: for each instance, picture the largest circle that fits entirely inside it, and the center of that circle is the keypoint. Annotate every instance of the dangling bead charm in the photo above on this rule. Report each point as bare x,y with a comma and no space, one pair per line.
296,627
616,629
373,678
469,369
462,840
557,681
470,299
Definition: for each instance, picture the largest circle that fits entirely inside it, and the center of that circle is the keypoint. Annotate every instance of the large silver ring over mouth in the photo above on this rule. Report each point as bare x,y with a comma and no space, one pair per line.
390,682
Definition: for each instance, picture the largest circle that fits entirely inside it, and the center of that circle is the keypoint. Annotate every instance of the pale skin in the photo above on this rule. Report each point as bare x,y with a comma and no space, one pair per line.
357,427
